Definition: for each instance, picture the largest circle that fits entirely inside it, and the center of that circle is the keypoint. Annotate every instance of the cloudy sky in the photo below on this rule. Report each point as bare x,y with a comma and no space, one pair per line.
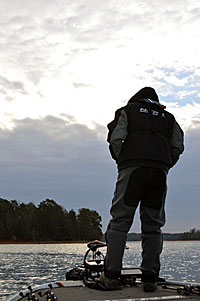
65,67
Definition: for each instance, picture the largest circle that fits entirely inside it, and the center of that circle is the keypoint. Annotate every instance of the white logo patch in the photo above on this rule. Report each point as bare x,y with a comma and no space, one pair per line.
155,113
143,110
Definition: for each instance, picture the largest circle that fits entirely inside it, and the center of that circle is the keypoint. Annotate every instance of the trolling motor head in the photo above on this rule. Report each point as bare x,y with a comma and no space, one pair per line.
93,245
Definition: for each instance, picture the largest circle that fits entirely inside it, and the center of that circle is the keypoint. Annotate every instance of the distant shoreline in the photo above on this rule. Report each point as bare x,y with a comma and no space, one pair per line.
21,242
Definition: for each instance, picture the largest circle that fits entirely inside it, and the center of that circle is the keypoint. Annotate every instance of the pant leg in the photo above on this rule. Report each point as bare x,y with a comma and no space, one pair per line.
119,225
152,219
134,184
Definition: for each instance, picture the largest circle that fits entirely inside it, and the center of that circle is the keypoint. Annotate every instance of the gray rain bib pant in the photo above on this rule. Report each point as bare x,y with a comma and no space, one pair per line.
144,186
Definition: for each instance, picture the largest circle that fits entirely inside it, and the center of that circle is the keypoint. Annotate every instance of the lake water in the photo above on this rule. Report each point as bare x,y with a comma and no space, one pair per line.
31,264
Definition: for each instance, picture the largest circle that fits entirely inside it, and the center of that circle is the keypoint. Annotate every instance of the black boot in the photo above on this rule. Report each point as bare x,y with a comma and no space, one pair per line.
149,282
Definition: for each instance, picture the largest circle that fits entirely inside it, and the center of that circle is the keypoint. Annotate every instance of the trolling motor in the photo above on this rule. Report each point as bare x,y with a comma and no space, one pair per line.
93,263
94,259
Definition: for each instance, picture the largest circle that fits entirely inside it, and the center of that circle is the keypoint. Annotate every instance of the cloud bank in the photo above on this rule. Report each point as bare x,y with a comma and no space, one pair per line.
70,163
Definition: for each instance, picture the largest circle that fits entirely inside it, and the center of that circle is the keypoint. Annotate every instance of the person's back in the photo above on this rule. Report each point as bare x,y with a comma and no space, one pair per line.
145,141
148,140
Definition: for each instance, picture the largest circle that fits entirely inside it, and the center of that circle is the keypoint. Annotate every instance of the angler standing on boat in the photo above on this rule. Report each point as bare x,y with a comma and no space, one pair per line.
145,141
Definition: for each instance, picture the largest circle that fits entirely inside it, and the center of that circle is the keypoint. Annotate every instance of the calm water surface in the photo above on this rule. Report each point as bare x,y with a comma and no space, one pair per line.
23,265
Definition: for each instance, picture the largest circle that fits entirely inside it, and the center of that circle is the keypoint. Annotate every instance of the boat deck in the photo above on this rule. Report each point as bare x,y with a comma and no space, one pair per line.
134,293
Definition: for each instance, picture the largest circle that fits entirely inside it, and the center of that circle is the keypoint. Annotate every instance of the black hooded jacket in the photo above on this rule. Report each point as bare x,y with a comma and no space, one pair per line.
143,133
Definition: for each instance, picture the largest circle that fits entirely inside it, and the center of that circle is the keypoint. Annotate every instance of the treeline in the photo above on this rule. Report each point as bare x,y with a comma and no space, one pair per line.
166,236
47,222
193,234
172,236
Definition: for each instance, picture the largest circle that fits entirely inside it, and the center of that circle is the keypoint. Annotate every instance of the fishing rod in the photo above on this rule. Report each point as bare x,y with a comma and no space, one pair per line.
186,289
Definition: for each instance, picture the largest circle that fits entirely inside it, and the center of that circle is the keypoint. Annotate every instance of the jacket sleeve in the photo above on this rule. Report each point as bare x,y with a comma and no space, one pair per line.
177,143
117,133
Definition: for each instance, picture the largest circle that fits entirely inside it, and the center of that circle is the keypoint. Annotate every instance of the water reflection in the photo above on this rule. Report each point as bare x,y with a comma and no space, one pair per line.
23,265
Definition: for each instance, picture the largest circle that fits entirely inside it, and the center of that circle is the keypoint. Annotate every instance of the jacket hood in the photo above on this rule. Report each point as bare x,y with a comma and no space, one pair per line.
146,94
